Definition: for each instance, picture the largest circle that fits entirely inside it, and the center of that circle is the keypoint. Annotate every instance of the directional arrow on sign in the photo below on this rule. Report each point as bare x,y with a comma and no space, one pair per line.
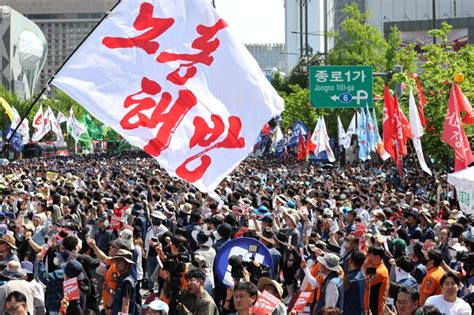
335,98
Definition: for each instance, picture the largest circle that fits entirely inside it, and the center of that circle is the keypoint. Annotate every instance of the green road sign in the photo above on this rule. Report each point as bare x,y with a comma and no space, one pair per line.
340,86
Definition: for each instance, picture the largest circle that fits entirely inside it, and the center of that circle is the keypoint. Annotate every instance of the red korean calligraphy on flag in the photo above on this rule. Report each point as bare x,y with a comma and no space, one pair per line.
71,289
171,79
265,304
453,133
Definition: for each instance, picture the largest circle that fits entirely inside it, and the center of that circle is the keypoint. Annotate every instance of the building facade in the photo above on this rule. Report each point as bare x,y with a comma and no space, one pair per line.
65,23
23,52
270,57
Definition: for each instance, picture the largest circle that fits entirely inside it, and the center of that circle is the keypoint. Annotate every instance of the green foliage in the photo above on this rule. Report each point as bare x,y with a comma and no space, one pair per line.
442,62
393,43
361,44
297,108
358,43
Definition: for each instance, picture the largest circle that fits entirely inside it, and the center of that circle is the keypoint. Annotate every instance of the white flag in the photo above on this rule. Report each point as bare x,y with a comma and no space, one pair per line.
350,131
38,119
417,132
41,125
277,135
171,78
74,127
24,128
341,134
61,118
55,127
323,142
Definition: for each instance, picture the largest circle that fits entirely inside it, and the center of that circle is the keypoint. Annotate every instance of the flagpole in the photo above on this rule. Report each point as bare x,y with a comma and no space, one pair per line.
415,157
46,87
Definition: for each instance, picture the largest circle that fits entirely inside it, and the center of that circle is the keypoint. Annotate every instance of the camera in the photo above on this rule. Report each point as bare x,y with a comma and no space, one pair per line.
371,271
467,259
255,269
175,266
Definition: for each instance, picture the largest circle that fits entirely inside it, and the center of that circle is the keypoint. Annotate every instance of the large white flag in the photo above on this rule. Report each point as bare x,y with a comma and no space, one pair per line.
341,134
417,132
41,125
55,127
323,142
350,131
170,77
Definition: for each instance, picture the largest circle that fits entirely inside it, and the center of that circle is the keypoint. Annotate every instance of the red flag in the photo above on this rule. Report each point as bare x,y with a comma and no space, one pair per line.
392,129
453,133
266,130
301,149
406,131
421,102
387,122
400,144
464,105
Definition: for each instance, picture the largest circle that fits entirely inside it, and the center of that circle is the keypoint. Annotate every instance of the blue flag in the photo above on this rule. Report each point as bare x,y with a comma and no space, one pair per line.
371,143
16,141
362,136
376,127
298,128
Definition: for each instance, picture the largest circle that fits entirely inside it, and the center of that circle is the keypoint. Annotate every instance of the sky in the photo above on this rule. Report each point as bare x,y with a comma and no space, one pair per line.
254,21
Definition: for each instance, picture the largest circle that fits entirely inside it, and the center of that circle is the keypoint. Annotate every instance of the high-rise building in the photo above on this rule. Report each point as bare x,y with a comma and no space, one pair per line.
23,52
65,23
270,57
414,18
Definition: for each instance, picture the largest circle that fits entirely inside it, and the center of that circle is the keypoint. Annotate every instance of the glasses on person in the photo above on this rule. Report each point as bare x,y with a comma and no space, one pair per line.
403,302
13,310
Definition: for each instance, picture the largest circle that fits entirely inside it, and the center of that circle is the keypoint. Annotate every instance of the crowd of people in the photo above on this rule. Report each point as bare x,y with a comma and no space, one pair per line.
115,234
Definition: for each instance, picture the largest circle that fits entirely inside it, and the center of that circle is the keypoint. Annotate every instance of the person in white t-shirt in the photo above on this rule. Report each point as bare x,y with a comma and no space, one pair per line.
448,303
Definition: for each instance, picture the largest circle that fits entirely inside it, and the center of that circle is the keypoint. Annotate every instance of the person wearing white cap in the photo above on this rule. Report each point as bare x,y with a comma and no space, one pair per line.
157,307
204,241
332,290
41,227
153,234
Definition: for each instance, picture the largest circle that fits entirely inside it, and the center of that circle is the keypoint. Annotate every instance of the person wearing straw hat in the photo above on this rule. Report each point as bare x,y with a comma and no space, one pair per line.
332,289
275,289
17,282
125,293
7,245
427,232
267,238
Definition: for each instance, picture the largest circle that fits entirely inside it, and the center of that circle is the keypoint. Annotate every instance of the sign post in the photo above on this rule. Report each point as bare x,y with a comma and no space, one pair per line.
340,86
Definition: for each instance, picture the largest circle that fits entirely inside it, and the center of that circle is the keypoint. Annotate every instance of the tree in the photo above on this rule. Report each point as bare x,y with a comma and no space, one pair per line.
358,43
442,63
